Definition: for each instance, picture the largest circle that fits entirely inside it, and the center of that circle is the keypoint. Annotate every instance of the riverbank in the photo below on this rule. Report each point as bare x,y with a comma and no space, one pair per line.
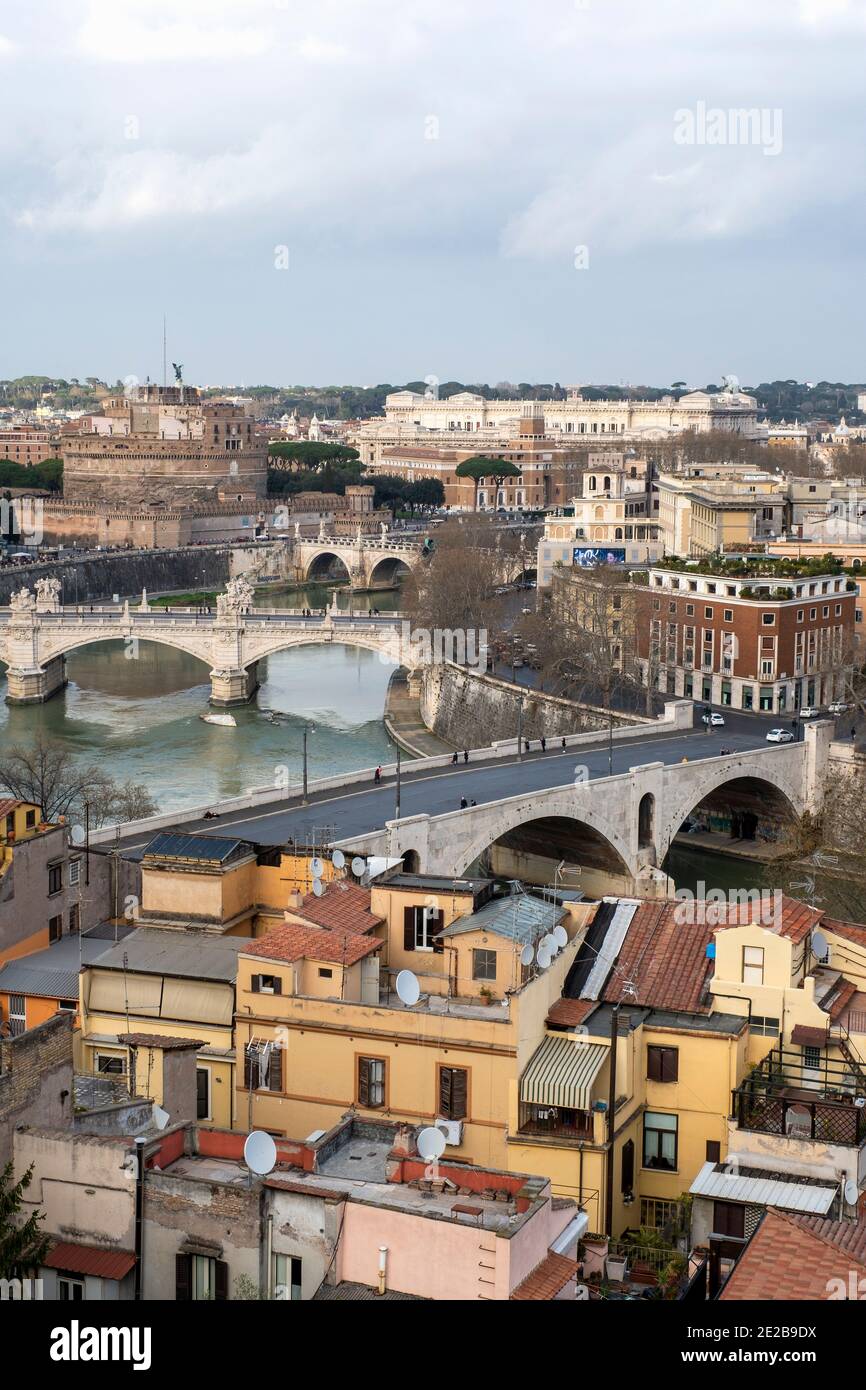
404,724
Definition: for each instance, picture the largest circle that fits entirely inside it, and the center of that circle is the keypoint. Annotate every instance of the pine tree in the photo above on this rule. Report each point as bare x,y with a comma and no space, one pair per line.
23,1246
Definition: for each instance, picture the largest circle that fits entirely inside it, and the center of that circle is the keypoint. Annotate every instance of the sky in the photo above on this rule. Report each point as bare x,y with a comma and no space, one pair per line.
366,191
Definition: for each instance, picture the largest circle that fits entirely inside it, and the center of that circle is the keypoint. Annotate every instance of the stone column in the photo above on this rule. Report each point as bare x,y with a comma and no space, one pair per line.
233,686
33,685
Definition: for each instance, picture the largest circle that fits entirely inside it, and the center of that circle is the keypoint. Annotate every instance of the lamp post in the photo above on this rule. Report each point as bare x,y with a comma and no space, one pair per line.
308,728
397,805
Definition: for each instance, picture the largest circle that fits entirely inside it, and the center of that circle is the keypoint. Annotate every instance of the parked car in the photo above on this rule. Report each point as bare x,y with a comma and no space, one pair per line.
810,711
780,736
839,707
715,721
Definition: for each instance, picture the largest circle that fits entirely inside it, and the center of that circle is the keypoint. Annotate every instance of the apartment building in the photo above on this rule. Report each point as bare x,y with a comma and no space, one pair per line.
611,522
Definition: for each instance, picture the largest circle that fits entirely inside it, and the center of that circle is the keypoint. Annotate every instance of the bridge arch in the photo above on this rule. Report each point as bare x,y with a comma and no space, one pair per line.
737,800
391,569
327,564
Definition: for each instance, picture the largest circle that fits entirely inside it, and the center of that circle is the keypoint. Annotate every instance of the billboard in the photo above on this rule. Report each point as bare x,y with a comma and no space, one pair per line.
588,557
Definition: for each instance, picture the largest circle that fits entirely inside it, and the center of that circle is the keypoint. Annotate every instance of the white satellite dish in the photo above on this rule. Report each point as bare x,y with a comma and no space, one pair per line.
78,834
260,1152
820,945
318,887
359,866
551,943
560,936
317,868
338,859
431,1143
408,988
160,1117
526,955
543,956
852,1192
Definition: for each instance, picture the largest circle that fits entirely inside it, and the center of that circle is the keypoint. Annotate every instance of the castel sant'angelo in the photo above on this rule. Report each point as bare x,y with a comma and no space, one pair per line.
162,446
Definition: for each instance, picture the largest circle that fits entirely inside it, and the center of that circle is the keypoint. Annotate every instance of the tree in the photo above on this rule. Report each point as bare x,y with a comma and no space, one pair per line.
479,467
23,1246
49,777
427,492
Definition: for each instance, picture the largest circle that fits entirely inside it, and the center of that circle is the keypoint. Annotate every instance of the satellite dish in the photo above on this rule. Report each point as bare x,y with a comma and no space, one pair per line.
359,866
543,956
160,1117
338,859
408,988
551,943
78,834
526,955
431,1142
318,887
260,1152
317,868
820,945
560,936
852,1192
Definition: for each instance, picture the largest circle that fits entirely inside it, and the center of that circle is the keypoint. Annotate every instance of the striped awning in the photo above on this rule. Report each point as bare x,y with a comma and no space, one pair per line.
561,1072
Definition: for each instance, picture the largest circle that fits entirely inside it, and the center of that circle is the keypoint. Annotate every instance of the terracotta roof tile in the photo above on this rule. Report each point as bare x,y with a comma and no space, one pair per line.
297,942
548,1278
840,1000
793,1257
568,1013
88,1259
852,931
343,905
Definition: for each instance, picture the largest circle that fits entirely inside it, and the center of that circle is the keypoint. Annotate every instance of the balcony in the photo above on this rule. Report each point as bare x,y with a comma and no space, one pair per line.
781,1096
555,1121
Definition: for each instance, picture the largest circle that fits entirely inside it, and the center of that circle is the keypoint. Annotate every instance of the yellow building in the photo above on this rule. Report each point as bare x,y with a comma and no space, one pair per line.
700,515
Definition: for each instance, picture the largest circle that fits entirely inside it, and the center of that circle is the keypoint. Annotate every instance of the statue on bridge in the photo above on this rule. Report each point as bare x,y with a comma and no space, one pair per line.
23,601
237,599
48,595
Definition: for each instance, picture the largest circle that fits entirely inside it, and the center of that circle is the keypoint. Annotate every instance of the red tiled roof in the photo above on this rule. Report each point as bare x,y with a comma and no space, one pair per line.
343,905
547,1279
804,1036
840,1000
162,1040
297,942
568,1013
88,1259
852,931
792,1257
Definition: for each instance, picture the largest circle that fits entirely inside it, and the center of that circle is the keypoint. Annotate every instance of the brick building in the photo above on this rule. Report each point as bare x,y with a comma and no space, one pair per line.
773,641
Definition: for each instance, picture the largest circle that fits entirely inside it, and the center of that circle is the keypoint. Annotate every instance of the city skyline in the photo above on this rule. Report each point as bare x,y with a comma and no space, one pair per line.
334,194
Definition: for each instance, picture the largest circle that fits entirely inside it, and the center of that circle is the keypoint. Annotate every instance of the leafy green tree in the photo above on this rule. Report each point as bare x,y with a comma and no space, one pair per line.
479,467
23,1246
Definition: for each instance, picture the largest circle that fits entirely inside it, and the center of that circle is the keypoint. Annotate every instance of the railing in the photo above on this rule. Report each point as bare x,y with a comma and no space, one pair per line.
783,1097
556,1121
856,1021
655,1257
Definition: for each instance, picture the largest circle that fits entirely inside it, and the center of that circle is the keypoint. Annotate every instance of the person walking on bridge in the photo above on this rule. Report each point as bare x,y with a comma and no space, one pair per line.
377,776
465,755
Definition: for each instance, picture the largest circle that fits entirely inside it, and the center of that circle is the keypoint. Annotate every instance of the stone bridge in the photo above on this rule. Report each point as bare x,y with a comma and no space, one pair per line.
371,562
618,828
35,639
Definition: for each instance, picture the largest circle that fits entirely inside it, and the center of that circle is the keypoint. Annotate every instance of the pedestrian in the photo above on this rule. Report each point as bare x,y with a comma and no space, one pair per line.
853,732
563,745
454,760
465,755
463,803
543,744
526,746
473,803
377,776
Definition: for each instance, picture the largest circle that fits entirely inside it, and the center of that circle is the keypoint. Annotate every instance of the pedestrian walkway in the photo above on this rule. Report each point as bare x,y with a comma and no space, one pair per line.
404,724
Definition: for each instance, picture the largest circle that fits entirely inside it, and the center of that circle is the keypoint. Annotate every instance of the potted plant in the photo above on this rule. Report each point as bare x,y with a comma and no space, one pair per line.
595,1248
616,1266
486,995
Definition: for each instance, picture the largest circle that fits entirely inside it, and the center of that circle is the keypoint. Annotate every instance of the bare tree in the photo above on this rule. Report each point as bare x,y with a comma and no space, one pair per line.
49,777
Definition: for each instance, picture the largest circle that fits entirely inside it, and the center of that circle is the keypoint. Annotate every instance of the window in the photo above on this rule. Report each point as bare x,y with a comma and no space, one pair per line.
325,974
811,1058
108,1065
765,1027
768,619
799,615
421,927
483,965
67,1006
753,965
660,1141
17,1015
662,1063
714,1151
729,1219
74,872
708,612
202,1089
55,878
70,1290
626,1185
371,1082
55,928
266,984
453,1093
201,1278
286,1275
263,1066
30,820
729,615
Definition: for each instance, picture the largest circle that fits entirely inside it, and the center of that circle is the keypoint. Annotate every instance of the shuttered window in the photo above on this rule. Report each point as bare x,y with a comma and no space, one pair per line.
453,1092
421,926
266,984
263,1071
663,1063
627,1175
197,1277
371,1082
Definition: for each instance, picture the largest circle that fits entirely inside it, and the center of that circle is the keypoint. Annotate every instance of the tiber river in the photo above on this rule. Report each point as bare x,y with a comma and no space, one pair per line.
139,719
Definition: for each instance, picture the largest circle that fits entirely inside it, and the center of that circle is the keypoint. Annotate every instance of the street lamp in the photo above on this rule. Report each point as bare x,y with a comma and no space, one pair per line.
308,728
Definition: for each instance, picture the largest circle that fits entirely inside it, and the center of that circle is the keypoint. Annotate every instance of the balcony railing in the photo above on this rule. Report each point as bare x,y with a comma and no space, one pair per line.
555,1120
781,1096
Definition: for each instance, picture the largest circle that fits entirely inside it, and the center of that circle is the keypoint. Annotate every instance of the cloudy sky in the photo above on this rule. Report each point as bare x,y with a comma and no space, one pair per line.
380,190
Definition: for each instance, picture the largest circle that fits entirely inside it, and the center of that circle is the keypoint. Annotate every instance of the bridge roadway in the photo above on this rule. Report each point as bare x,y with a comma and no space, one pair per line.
360,812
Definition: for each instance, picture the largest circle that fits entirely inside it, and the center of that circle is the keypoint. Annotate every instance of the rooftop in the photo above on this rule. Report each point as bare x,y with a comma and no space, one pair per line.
185,954
297,942
342,905
54,971
793,1258
519,918
196,849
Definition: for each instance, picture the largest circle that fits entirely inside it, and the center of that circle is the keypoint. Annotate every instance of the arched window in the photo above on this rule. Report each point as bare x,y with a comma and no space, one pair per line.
645,820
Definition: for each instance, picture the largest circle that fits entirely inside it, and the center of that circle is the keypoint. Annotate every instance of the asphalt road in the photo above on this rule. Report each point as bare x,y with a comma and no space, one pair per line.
439,790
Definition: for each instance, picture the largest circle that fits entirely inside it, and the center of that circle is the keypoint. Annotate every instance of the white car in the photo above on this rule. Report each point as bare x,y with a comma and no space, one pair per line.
839,707
780,736
714,720
809,711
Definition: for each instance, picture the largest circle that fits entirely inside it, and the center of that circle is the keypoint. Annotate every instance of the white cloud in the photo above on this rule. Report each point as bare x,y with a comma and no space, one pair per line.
125,31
